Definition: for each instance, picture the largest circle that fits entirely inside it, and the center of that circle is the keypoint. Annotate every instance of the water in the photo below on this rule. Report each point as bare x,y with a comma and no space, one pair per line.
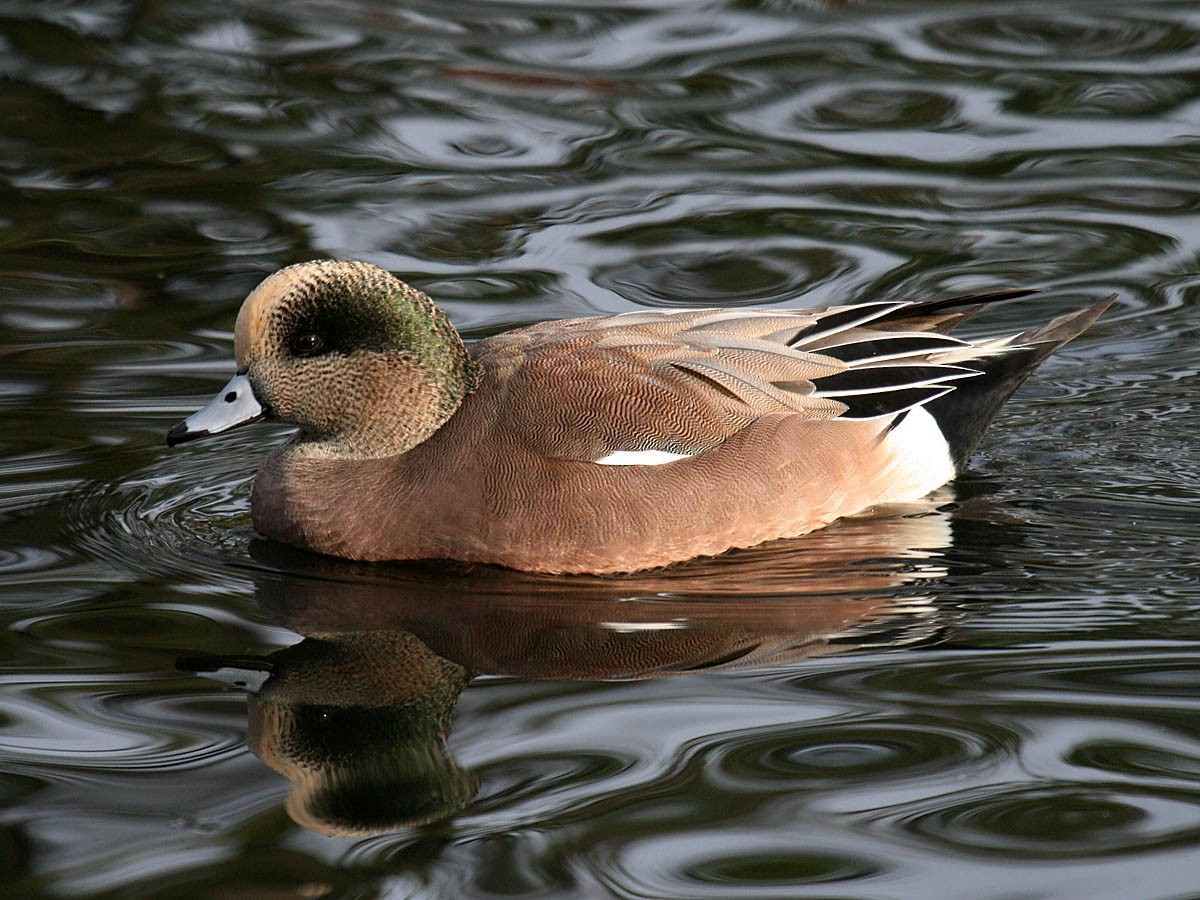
992,694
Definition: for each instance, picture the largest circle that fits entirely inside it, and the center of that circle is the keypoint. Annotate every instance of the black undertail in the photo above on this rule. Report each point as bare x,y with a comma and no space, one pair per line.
900,356
964,413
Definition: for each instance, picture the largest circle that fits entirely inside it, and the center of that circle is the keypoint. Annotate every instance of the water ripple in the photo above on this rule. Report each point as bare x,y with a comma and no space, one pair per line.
1053,821
168,521
702,866
832,754
104,729
1081,41
1010,712
1117,680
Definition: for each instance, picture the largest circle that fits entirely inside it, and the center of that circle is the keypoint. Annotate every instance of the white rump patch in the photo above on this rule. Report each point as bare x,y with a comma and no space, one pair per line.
922,458
640,458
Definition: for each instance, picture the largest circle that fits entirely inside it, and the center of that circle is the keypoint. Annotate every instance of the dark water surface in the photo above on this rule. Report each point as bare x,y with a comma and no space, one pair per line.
995,694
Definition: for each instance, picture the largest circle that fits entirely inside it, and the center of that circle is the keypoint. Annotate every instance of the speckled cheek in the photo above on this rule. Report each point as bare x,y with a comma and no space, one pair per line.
270,386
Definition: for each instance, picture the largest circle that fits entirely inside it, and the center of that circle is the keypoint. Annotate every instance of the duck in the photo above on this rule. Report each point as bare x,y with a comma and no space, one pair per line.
606,444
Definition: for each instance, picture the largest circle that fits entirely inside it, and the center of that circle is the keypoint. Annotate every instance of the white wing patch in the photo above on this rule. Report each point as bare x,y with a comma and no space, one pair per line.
640,458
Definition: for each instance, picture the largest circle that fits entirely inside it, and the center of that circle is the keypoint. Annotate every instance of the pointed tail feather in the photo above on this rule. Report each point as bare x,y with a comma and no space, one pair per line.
941,316
964,413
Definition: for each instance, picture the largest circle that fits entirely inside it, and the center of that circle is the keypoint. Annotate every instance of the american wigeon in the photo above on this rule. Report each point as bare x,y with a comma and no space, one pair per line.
606,444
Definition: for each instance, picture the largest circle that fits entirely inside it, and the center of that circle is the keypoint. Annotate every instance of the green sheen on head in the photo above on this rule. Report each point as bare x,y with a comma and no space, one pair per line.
365,364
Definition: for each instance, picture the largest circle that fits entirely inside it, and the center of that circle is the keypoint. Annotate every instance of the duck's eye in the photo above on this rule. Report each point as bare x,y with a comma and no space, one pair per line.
307,344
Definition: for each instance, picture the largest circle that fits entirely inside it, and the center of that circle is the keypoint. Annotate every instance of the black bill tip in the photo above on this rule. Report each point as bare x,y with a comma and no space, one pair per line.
181,434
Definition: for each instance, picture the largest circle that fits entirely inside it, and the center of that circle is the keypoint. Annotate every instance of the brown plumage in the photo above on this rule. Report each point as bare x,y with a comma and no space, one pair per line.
605,444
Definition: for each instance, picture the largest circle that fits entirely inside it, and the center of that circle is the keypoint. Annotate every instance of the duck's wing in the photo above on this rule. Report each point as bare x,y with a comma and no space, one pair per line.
650,387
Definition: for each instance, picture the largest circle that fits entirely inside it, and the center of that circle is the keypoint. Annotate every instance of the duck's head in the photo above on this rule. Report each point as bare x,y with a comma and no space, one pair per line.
364,364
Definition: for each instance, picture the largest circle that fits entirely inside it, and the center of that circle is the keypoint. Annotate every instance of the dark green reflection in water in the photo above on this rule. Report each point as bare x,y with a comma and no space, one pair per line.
358,725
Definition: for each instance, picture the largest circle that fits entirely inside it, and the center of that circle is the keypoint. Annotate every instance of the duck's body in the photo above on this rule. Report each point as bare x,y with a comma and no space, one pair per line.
514,506
608,444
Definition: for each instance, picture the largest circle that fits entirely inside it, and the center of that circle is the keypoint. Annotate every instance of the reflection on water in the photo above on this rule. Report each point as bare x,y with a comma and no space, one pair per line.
357,722
747,606
993,696
356,714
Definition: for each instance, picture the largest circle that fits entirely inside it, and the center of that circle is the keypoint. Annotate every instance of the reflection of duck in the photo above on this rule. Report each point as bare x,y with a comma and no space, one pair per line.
357,723
759,607
356,715
609,444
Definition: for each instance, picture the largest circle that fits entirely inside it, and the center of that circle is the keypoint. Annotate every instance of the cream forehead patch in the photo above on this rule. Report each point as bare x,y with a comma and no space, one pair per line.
256,310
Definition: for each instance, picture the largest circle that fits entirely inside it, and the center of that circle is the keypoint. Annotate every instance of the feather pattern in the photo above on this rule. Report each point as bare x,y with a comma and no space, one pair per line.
701,376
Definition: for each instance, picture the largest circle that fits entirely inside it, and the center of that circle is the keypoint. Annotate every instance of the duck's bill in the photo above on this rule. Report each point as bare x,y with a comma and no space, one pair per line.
235,405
